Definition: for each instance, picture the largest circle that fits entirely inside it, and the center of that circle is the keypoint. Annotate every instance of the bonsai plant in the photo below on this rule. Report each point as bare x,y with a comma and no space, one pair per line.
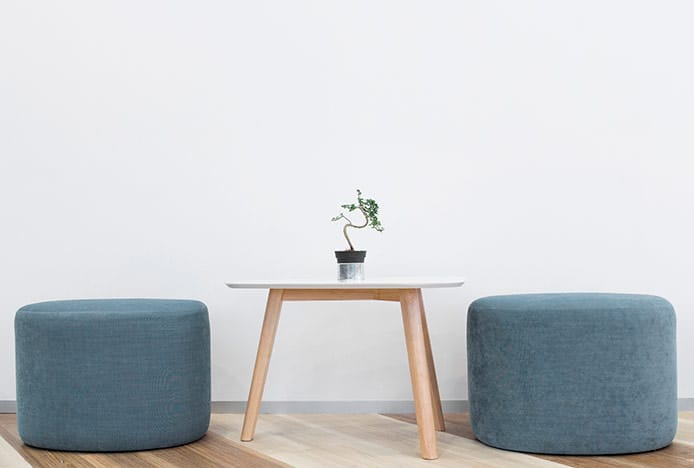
369,209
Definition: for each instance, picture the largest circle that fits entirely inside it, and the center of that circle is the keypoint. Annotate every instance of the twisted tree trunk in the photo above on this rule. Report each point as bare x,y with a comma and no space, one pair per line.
349,224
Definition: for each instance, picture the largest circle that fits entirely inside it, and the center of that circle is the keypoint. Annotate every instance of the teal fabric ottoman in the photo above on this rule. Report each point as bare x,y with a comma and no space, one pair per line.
112,374
578,374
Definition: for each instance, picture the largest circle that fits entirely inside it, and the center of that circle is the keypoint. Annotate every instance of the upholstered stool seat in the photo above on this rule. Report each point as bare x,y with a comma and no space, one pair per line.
582,374
112,374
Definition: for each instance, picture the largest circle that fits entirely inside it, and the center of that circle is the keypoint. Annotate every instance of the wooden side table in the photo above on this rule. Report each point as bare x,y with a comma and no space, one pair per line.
408,292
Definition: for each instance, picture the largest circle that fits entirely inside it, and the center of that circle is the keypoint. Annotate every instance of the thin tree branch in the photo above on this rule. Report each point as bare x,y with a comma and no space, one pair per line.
344,229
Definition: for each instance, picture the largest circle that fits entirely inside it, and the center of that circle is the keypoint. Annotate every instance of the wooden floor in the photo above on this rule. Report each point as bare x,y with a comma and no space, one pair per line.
306,440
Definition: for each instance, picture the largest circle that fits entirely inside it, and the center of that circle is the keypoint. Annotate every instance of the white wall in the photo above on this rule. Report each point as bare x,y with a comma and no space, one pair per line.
162,148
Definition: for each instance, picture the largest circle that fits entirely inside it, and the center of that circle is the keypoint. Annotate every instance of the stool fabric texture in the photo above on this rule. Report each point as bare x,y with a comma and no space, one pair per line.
109,375
572,374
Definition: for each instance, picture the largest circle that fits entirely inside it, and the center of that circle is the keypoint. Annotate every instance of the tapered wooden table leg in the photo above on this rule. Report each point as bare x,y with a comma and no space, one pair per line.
435,397
262,361
422,370
419,371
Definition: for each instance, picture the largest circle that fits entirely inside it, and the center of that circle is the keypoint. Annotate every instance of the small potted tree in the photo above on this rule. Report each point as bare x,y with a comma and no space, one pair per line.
351,262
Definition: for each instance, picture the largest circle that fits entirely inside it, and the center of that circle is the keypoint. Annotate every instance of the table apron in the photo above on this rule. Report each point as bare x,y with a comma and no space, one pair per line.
344,294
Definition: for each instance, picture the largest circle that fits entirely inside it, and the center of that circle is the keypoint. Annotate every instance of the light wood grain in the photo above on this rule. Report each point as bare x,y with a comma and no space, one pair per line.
341,294
9,457
213,450
679,454
366,440
331,441
420,356
685,428
419,372
439,422
262,362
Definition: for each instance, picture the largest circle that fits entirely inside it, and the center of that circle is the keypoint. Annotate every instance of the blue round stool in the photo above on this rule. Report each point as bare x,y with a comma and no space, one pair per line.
578,374
113,374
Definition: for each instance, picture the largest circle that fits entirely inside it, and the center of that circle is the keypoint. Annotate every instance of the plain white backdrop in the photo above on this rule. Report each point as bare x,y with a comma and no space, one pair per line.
159,149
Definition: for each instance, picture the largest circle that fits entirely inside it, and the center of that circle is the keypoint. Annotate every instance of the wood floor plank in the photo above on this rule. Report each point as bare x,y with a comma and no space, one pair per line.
213,450
327,441
37,457
9,457
679,454
369,440
685,428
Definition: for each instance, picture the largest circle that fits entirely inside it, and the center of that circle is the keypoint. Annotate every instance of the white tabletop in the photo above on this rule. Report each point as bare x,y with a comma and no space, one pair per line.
371,283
